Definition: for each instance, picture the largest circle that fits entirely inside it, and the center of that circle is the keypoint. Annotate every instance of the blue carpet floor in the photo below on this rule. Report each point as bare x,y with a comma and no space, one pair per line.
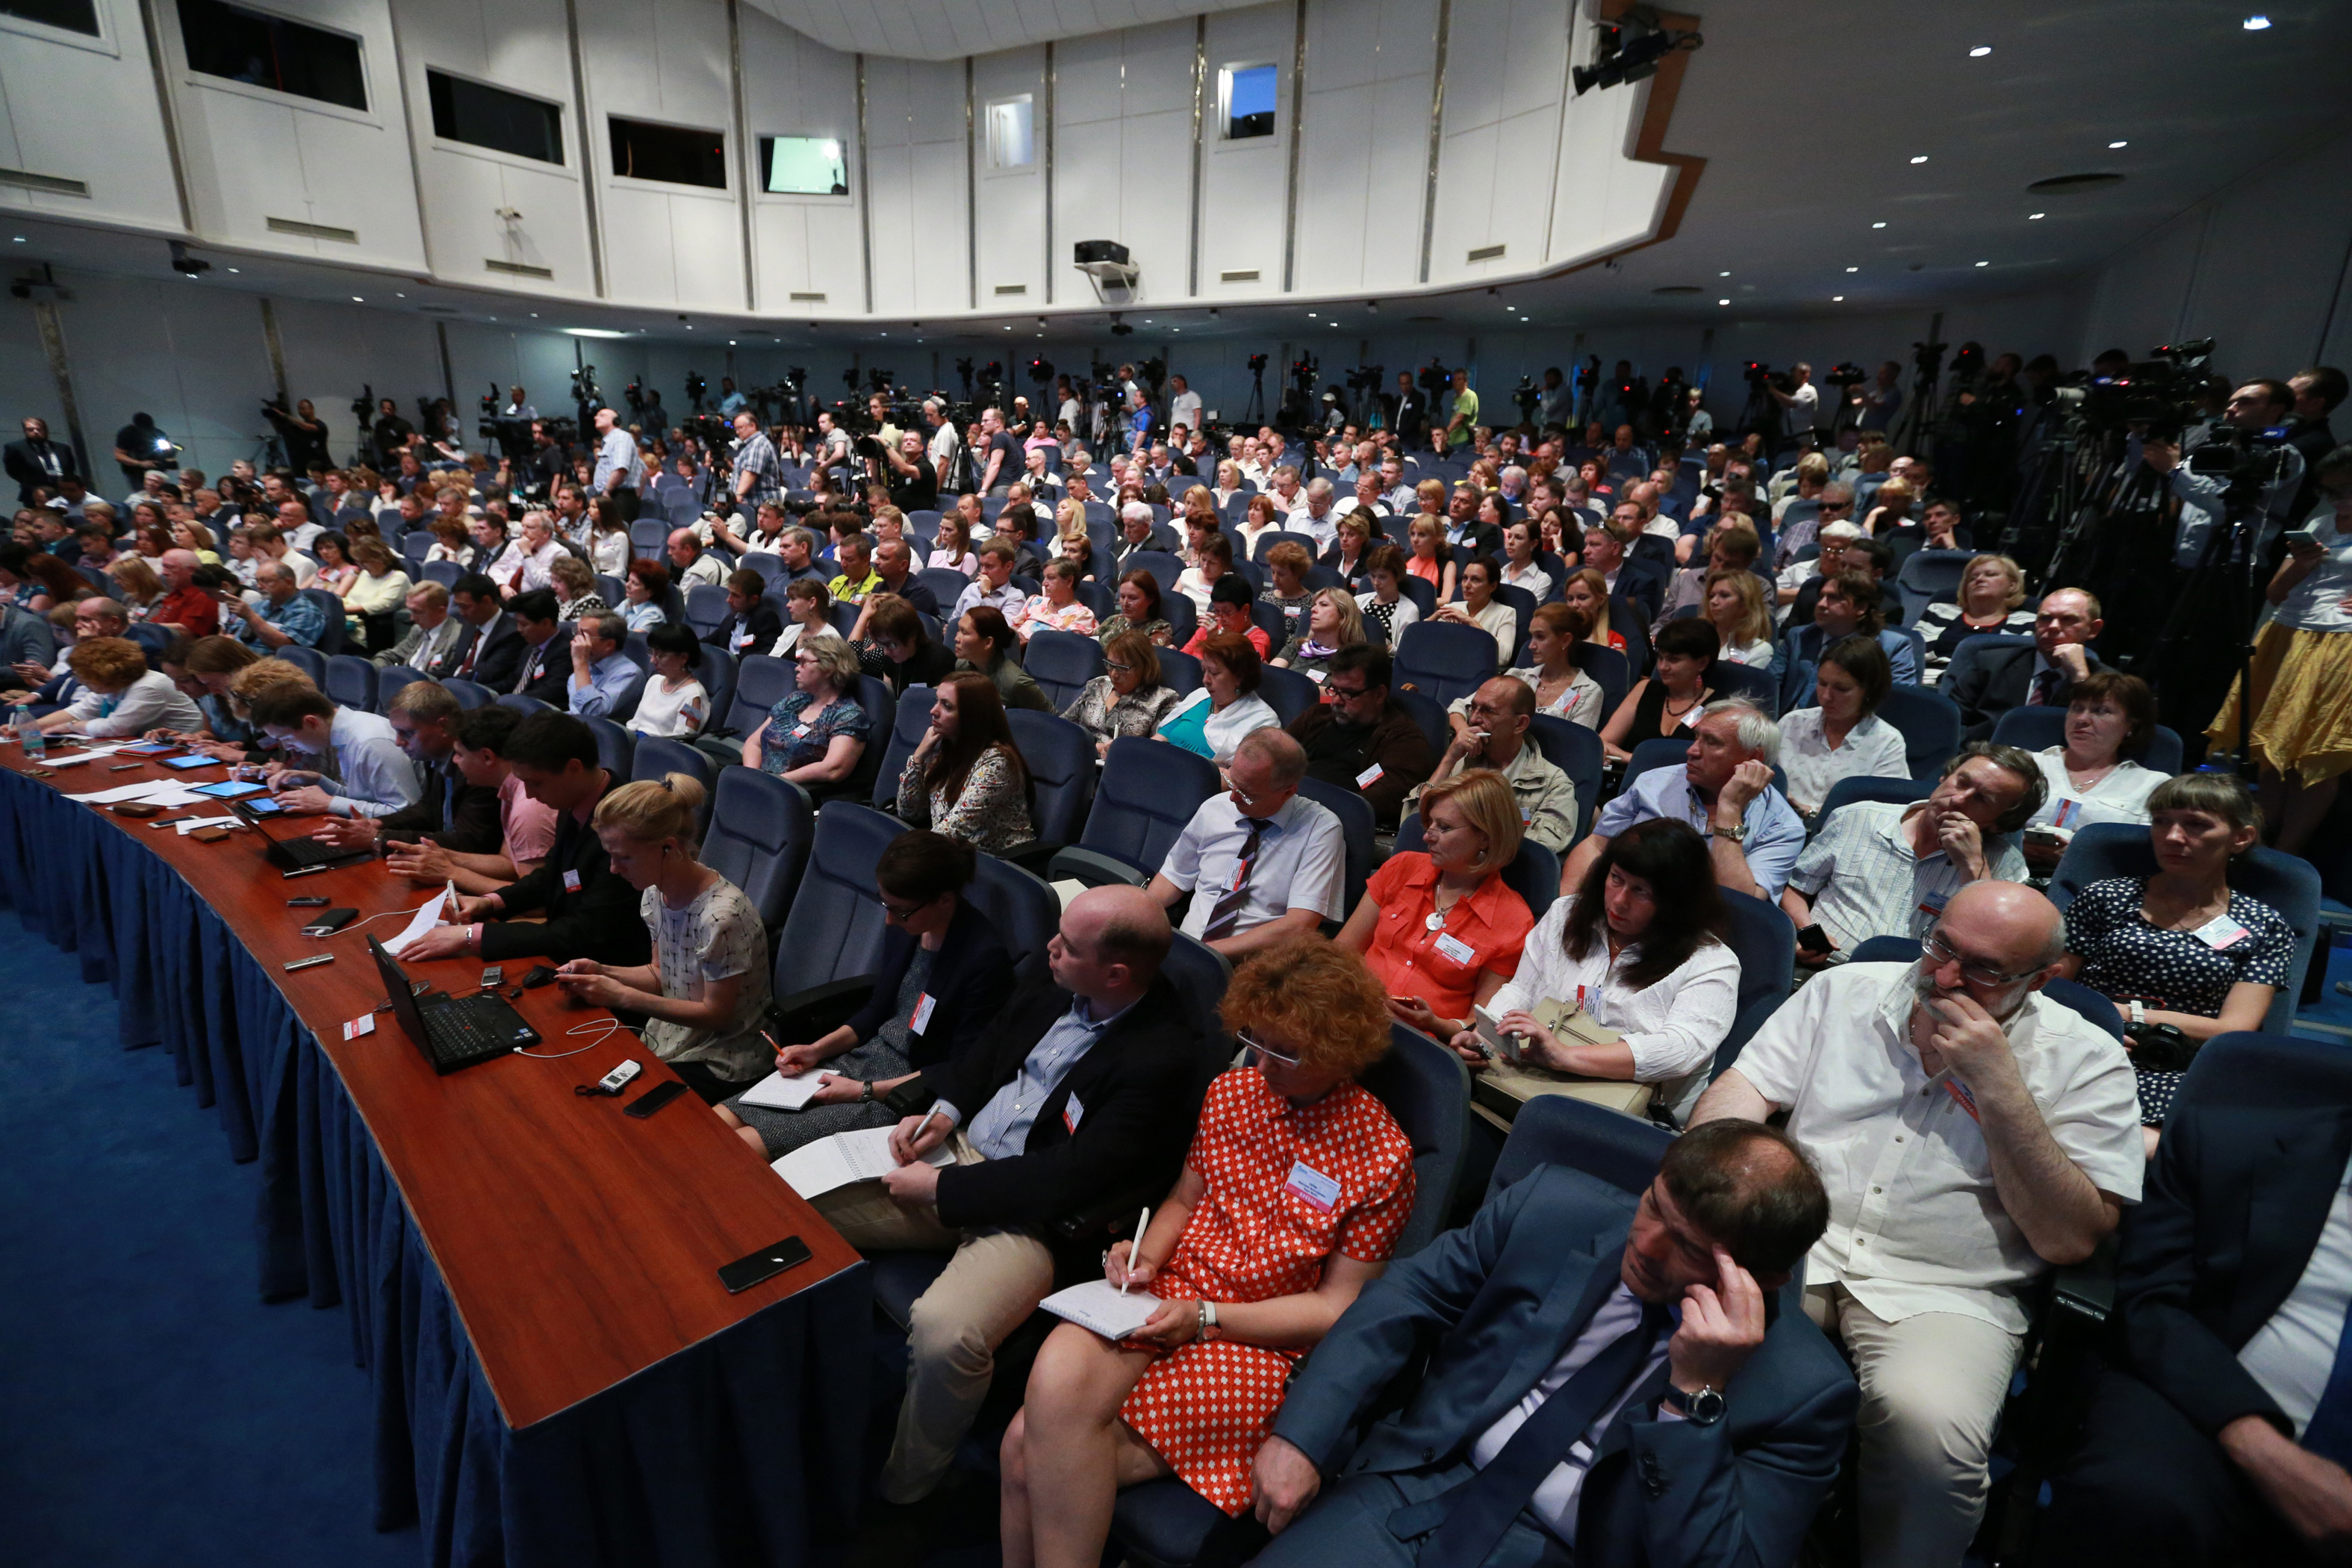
153,1411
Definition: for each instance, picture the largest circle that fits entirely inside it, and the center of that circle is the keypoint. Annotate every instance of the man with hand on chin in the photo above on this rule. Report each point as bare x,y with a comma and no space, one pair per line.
1724,790
1611,1380
1971,1132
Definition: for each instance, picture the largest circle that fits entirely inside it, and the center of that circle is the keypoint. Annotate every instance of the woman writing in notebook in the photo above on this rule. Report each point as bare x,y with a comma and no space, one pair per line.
1297,1187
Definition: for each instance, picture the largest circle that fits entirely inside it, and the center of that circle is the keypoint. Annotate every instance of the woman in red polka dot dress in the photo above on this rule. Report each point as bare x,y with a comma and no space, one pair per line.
1297,1186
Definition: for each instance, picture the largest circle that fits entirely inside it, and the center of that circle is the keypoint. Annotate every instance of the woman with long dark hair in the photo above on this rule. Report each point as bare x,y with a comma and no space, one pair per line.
1639,947
966,778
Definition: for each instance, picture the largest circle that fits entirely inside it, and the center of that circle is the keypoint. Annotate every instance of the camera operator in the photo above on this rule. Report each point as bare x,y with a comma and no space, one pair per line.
2253,408
518,409
546,460
1803,400
140,448
304,433
389,435
914,484
620,470
2317,391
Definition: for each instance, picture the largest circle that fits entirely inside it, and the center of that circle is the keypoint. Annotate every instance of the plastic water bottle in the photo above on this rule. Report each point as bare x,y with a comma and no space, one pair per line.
30,736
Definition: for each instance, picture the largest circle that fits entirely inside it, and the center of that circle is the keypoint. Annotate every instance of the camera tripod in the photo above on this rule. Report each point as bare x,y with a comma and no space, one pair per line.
1927,359
2227,581
1254,411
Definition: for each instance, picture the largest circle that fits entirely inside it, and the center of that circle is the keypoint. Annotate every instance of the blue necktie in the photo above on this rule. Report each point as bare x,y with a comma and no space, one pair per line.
2329,1434
1481,1508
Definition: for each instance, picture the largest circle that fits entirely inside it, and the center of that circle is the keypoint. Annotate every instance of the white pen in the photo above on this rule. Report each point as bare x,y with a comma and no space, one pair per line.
1137,1245
926,1127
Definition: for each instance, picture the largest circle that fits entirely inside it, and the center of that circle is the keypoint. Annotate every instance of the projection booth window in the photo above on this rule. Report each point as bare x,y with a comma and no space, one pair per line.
66,15
261,51
1011,144
1246,96
490,117
803,166
674,155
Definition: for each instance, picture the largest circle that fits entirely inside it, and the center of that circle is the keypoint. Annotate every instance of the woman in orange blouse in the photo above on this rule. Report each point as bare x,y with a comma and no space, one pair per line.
1438,926
1296,1189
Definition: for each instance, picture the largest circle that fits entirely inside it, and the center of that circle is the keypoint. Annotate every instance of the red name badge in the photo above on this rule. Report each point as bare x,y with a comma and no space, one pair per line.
1964,1097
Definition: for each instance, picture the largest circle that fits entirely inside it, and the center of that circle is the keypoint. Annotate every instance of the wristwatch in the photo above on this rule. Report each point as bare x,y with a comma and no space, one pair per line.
1737,831
867,1097
2139,1010
1704,1408
1204,1322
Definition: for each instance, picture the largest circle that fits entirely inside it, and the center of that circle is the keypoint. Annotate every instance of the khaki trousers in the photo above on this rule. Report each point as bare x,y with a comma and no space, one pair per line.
1932,1387
993,1281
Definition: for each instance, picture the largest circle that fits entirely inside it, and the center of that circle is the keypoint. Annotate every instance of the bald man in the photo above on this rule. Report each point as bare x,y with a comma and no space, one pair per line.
1089,1083
1971,1132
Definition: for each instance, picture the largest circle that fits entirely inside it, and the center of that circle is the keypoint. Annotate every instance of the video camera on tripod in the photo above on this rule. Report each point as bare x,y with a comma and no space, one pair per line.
1526,394
2159,393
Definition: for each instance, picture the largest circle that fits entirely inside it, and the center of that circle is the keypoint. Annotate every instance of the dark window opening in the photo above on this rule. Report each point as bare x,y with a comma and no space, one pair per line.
503,122
670,153
238,45
69,16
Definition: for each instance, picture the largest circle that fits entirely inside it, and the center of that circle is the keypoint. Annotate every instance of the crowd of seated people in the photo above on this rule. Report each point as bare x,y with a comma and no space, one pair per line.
1952,1130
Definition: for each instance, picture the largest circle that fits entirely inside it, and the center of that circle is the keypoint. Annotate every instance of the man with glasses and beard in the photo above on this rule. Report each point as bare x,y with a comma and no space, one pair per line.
1971,1132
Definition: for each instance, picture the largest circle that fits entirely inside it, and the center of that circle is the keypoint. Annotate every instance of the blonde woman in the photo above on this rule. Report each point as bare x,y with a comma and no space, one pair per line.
135,584
1991,599
1734,604
703,995
1333,621
1229,483
953,549
1588,591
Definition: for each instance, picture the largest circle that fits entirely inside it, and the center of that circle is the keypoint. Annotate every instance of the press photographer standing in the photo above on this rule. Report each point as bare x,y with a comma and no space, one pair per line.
304,433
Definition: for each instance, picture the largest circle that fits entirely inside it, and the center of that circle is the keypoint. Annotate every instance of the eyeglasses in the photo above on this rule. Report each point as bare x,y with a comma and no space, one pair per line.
1984,975
1347,693
1118,668
1262,1049
900,912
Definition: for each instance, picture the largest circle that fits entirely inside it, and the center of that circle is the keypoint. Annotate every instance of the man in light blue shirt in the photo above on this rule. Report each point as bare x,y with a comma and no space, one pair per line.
1262,864
373,777
1724,790
601,673
283,617
620,470
2254,407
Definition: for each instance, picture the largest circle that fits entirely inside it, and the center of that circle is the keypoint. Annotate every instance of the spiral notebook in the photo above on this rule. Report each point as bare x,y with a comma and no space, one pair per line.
1097,1305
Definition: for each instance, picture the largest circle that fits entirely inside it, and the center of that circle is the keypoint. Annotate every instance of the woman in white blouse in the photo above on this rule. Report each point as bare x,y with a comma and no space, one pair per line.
1843,737
1520,569
1229,483
808,610
1561,689
1635,947
1479,608
2110,718
1734,605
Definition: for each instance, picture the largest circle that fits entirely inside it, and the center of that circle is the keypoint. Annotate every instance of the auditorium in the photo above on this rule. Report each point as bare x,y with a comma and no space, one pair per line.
1168,783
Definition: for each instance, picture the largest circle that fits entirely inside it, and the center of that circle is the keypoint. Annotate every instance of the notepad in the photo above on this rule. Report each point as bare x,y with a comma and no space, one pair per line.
427,916
846,1157
1097,1305
778,1092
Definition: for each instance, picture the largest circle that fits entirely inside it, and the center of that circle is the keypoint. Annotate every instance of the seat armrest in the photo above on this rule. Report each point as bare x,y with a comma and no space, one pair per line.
1033,857
1105,1215
820,1009
2086,1290
1094,869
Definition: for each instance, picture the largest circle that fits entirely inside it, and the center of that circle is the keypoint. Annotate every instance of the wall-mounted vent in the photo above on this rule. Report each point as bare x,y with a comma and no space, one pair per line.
1248,276
53,183
1004,289
808,299
312,230
519,268
1488,253
438,309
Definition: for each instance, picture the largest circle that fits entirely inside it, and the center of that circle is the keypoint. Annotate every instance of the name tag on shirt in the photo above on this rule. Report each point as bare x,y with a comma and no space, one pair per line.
2220,931
744,640
1932,906
2067,811
570,881
800,731
1371,776
921,1018
1073,1113
1962,1096
1309,1185
1319,675
1454,948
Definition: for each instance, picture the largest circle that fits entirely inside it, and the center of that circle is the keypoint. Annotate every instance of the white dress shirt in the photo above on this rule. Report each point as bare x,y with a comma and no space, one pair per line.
1915,1224
1301,863
2293,1354
2120,796
534,567
1672,1024
1873,750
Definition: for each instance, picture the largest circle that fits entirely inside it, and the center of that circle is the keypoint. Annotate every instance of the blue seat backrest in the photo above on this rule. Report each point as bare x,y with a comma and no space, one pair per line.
1024,910
1533,873
1575,751
1443,660
331,641
706,608
761,682
1969,651
616,749
1734,679
1149,791
1611,670
1287,692
655,757
833,930
1179,672
445,572
467,693
2269,1070
2036,728
1183,615
1427,714
1357,827
908,724
350,682
1427,1090
1164,567
1061,761
1199,975
947,585
1606,1145
308,660
1523,606
1929,722
1422,593
1935,572
758,838
525,705
715,667
2285,882
1061,663
391,678
1766,943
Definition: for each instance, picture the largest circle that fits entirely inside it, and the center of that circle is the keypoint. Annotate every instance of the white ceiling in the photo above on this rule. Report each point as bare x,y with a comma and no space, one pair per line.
950,29
1808,115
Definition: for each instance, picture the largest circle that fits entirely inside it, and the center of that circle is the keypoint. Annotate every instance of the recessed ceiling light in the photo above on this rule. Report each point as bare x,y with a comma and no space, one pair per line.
1880,223
2111,145
20,239
1836,297
357,300
2032,216
1981,51
1920,158
1723,274
1310,315
233,269
2255,24
1854,270
1984,264
534,315
1722,302
594,332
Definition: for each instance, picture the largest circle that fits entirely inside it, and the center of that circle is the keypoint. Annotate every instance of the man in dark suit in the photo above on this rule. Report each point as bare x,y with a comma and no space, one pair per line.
751,624
1087,1085
545,671
451,812
1613,1379
39,463
1408,412
492,650
2040,676
2225,1432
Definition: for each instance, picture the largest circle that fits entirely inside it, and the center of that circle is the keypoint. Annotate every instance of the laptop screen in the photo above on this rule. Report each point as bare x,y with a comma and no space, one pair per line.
403,1000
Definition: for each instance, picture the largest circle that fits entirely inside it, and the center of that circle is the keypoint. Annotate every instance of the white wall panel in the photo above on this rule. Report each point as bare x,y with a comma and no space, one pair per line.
804,245
1012,202
916,183
191,355
119,153
253,153
1364,160
1506,65
334,352
1122,160
1605,201
1244,184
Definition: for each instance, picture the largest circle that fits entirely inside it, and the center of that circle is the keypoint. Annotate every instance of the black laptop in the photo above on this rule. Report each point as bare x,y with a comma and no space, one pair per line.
291,855
452,1031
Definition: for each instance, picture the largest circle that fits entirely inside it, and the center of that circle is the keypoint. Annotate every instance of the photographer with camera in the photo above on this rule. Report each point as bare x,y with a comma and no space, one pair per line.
389,434
302,431
913,483
1800,400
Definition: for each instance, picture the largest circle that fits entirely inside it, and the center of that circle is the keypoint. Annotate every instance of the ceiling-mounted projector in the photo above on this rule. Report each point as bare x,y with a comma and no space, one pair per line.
1105,261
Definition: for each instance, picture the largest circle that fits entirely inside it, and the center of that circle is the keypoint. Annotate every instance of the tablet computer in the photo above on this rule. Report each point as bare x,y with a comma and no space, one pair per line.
228,789
148,749
183,763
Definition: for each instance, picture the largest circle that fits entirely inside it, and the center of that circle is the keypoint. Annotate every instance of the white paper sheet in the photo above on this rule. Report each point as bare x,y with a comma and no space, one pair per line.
1097,1305
778,1092
188,824
144,789
846,1157
88,754
429,915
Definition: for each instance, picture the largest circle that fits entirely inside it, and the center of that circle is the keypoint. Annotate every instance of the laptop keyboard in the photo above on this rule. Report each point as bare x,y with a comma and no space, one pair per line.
311,851
457,1033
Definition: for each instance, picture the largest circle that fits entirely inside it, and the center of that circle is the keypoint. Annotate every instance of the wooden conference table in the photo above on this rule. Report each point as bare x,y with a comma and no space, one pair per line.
578,1246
